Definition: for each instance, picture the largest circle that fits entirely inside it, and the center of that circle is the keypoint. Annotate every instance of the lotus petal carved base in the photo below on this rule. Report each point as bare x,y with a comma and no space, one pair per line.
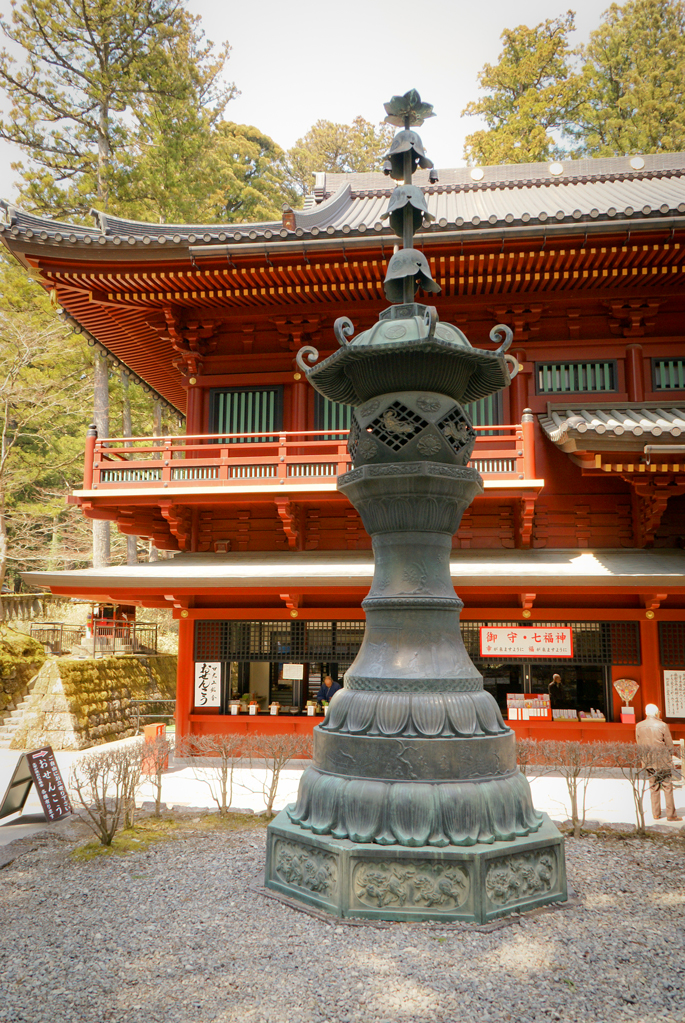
478,883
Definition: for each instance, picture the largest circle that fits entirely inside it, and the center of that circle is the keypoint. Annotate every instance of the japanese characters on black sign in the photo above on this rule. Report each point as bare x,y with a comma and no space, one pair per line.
49,784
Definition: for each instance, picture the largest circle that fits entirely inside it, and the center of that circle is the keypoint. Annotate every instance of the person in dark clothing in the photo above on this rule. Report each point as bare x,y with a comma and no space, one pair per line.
556,693
327,690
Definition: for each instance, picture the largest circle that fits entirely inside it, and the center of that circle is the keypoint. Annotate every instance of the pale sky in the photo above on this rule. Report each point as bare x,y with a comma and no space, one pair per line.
297,62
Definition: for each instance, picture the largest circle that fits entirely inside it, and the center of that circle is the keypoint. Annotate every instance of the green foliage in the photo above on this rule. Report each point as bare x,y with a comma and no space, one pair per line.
622,93
46,382
327,146
217,173
531,93
44,386
97,79
633,88
248,173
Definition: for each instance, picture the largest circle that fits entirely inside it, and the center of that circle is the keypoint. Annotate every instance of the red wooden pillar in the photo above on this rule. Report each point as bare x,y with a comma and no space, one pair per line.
184,677
635,373
194,411
298,408
651,664
518,392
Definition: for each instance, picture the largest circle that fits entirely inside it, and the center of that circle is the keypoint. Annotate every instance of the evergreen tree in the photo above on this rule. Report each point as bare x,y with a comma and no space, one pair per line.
91,74
633,86
220,173
327,146
622,93
532,93
44,386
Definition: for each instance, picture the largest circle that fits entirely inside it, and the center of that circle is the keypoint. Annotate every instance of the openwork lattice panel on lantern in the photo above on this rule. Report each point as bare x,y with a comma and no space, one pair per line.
458,431
396,426
411,426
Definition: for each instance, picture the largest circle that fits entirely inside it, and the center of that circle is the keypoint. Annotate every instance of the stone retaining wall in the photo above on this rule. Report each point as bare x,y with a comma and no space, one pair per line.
79,703
20,658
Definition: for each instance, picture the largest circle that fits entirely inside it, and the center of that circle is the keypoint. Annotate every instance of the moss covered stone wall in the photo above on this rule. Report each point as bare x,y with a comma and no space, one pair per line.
80,703
20,659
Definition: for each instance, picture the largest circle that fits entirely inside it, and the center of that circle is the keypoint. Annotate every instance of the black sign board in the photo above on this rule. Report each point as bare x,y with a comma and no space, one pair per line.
38,768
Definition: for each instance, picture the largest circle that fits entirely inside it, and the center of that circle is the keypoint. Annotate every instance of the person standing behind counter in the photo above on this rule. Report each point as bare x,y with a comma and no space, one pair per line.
327,690
556,693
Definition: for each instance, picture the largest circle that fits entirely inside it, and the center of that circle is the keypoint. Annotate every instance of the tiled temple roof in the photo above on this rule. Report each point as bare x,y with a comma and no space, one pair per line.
581,192
602,426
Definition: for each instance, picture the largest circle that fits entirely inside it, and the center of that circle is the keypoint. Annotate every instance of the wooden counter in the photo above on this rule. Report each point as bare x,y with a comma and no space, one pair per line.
302,724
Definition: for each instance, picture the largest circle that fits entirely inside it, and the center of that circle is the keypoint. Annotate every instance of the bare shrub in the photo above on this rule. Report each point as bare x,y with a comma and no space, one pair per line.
104,786
576,762
529,754
156,755
639,764
276,751
226,752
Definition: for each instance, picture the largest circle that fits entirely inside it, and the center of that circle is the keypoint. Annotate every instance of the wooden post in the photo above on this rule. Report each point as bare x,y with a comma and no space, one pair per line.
635,375
101,531
194,424
528,429
153,554
184,677
518,391
131,541
88,457
652,690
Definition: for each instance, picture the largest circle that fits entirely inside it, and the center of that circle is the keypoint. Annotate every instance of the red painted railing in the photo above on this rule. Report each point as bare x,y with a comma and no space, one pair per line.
237,460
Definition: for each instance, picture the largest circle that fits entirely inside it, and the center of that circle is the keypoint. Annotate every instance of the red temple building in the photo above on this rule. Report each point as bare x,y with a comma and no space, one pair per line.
581,523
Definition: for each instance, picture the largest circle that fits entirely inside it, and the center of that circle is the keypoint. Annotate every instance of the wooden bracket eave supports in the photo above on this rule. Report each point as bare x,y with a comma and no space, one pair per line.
651,499
526,519
179,520
295,330
291,600
179,601
289,515
526,600
653,601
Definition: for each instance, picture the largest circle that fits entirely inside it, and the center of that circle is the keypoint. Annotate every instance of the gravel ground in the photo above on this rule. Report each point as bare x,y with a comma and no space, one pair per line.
179,933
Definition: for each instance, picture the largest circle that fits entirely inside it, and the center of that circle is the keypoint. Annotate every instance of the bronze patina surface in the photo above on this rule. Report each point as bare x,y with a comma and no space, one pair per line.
414,807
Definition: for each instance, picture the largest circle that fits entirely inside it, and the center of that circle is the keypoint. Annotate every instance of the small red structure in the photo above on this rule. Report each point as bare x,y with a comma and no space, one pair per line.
582,521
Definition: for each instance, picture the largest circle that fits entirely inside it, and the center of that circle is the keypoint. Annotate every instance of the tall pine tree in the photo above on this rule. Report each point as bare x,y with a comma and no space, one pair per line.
88,70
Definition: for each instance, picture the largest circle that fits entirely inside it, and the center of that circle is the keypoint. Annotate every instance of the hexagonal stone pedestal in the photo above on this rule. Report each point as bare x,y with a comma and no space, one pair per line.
393,882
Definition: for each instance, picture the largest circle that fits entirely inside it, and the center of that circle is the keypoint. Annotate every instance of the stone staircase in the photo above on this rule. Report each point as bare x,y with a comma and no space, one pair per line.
11,722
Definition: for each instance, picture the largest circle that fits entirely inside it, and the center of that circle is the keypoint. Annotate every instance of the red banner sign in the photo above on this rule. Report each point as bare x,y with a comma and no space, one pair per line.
526,642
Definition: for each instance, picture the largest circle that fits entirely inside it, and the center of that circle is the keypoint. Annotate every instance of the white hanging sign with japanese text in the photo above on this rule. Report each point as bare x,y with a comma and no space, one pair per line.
207,683
674,691
526,642
293,671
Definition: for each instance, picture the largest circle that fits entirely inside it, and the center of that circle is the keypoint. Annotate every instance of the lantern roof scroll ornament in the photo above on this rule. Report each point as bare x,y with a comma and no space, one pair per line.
392,354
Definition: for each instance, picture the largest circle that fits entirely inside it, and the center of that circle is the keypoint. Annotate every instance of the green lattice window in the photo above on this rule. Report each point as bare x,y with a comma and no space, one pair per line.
246,410
669,374
487,411
576,377
331,416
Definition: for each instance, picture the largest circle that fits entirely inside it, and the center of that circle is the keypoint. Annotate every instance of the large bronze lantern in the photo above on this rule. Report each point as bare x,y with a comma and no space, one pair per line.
414,807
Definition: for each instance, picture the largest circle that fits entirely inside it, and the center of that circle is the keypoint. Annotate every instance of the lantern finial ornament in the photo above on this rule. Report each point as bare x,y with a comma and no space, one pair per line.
408,110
